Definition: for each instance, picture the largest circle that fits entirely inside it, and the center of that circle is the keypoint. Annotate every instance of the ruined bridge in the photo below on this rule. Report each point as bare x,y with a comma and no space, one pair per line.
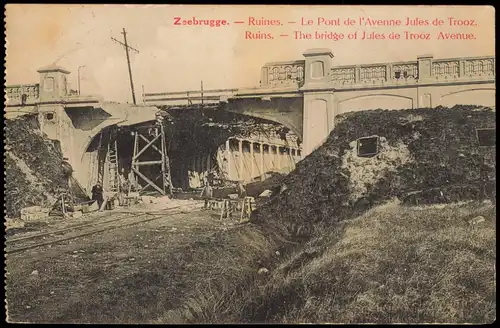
306,95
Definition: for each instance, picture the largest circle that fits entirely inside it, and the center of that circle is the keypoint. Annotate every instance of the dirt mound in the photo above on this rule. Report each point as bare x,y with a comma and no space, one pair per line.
424,156
35,171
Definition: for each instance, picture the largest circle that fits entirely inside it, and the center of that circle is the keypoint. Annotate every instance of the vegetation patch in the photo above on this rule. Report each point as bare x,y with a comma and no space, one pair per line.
427,155
35,171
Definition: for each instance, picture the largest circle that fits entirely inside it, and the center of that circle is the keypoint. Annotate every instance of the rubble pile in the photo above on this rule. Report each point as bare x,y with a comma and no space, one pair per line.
424,156
35,172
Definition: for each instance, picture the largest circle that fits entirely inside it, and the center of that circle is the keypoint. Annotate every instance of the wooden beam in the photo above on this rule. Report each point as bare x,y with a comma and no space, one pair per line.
147,146
147,140
151,183
166,163
146,186
149,162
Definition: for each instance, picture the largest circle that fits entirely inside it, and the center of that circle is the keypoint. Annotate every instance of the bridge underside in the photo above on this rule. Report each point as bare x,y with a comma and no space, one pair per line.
197,139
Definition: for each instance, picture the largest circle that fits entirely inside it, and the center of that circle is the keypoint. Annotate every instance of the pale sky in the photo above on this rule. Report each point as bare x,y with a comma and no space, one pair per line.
177,58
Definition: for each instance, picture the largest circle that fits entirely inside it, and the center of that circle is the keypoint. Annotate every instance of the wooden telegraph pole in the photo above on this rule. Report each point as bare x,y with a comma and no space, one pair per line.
127,47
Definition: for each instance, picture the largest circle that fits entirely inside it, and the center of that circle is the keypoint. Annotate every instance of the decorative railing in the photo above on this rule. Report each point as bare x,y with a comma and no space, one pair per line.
283,73
373,74
344,75
291,74
446,68
22,94
480,66
408,72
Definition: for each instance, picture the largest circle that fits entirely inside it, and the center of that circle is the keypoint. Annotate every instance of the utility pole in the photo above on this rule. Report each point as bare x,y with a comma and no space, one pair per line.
201,92
127,47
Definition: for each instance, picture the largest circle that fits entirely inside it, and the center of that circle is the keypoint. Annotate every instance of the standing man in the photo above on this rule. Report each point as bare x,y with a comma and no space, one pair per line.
208,192
123,188
242,193
97,194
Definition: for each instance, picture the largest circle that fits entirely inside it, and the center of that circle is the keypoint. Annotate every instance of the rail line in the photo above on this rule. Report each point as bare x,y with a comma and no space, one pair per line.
87,232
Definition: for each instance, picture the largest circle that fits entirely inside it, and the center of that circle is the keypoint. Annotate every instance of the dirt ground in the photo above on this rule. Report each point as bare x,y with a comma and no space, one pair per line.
131,274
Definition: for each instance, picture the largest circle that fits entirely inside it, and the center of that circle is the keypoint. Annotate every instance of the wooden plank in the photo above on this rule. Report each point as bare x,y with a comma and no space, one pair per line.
148,181
167,160
136,141
146,147
149,162
146,186
147,140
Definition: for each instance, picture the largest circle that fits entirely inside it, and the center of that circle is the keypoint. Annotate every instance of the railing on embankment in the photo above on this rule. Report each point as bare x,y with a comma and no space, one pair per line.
189,97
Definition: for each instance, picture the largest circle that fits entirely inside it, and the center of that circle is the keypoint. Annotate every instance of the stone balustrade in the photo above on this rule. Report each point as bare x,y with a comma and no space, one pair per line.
22,94
282,73
408,72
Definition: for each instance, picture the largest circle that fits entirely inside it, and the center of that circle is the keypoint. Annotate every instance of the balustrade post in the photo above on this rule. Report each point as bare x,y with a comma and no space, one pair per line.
461,68
424,67
357,74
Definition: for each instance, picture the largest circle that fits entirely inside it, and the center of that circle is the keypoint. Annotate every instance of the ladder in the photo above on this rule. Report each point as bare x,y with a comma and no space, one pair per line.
94,167
112,159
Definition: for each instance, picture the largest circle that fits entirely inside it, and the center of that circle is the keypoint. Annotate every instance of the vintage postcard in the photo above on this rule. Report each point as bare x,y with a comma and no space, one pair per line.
249,164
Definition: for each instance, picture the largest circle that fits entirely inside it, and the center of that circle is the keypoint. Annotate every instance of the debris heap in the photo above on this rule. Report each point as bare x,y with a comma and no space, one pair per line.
423,156
35,171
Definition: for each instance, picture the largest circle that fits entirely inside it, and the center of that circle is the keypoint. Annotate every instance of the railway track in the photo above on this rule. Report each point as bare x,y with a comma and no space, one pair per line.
15,245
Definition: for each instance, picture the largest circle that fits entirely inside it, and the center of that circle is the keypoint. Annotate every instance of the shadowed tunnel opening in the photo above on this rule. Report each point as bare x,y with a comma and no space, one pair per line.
193,137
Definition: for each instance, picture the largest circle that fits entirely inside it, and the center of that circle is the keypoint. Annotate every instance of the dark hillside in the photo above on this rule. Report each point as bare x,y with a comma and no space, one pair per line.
35,171
424,156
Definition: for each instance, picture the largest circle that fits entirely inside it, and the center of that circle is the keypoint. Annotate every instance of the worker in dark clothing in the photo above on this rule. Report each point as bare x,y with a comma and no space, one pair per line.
97,194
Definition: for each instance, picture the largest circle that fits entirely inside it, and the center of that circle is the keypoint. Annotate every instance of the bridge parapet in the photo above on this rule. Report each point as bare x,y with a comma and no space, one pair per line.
22,94
282,73
424,70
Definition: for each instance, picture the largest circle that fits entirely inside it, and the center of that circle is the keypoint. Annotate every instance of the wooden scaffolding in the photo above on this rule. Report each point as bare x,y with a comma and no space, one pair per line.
154,138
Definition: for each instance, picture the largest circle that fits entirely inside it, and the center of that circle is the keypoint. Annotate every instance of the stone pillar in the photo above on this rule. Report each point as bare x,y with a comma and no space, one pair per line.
228,159
424,68
319,111
318,63
240,169
261,148
278,155
252,160
318,119
264,76
53,83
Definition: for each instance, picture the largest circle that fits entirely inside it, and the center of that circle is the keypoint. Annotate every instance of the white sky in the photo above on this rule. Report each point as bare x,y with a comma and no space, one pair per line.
176,58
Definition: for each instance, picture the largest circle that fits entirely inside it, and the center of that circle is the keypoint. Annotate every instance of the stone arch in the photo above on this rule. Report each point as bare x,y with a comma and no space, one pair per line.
374,101
92,136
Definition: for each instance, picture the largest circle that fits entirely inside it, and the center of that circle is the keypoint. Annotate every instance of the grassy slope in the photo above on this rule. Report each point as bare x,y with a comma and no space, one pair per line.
393,264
